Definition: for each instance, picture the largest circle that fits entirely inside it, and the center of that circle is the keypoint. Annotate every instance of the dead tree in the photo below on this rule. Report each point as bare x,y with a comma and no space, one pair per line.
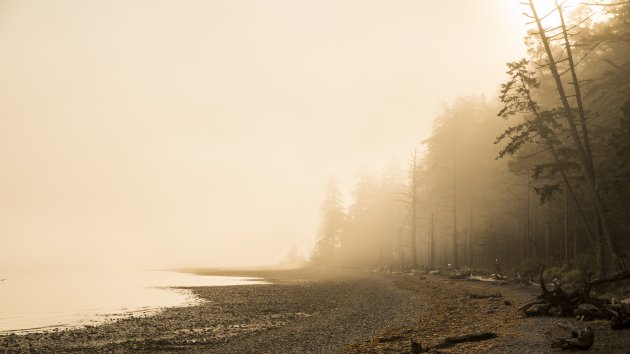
413,196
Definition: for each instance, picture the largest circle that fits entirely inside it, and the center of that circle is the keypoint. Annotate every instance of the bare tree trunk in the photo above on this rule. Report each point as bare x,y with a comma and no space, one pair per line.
455,258
380,254
566,228
414,209
533,240
574,237
432,243
401,251
469,246
548,234
601,256
527,248
444,251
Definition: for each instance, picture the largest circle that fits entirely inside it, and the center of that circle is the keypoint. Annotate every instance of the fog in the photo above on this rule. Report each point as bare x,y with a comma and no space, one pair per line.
202,133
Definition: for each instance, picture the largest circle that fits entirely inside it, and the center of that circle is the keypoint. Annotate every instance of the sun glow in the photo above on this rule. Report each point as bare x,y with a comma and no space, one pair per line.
573,11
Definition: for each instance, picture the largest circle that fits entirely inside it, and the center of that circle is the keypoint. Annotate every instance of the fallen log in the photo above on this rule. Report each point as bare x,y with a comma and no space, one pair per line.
493,278
484,296
591,312
457,275
472,337
623,275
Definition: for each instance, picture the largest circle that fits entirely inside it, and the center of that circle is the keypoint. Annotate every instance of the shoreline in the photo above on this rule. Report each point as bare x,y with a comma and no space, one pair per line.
311,310
45,301
295,312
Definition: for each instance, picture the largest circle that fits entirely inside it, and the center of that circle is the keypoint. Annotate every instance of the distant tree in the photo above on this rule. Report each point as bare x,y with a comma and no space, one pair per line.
411,198
374,221
333,218
293,259
461,187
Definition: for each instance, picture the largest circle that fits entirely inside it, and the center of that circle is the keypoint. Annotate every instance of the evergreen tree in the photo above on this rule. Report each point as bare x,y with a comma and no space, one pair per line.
333,218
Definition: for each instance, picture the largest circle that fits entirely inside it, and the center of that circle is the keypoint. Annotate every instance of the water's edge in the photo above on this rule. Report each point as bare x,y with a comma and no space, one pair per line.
54,302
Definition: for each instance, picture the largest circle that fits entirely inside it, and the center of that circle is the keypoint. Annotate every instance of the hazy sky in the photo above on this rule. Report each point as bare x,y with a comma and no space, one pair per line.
170,133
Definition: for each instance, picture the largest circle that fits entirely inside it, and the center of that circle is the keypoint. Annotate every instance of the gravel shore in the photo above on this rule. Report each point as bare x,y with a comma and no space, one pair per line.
322,312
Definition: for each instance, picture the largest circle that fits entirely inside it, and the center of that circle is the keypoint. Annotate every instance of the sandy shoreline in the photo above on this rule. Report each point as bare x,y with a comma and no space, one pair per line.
322,312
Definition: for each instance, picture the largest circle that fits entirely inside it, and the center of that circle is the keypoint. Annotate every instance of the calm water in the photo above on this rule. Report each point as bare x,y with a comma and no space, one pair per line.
36,300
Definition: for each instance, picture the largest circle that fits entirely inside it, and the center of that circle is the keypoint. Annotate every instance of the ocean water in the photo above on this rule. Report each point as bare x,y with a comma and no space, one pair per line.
40,300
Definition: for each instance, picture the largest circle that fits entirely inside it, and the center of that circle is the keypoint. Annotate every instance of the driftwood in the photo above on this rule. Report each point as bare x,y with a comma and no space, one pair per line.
484,296
416,347
623,275
621,318
472,337
581,338
579,302
493,278
558,302
458,275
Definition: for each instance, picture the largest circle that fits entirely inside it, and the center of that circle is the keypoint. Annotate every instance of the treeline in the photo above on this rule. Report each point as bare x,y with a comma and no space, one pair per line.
538,175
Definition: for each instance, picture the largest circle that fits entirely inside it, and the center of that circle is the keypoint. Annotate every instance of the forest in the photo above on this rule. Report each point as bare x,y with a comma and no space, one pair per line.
537,175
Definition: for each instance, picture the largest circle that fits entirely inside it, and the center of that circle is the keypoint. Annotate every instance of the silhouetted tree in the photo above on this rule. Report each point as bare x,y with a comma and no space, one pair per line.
333,218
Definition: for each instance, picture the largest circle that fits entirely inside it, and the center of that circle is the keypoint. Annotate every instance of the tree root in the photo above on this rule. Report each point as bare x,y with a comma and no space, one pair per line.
558,302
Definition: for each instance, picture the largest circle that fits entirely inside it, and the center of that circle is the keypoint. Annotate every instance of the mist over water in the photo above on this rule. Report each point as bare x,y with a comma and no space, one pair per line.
46,299
160,134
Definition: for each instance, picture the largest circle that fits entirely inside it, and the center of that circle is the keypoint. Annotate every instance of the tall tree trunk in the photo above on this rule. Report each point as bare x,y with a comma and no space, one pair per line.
414,209
548,234
583,152
471,234
432,243
566,228
605,234
601,255
527,248
401,251
455,255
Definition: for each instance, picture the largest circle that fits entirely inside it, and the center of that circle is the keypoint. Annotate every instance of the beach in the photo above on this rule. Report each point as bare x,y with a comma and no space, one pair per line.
325,311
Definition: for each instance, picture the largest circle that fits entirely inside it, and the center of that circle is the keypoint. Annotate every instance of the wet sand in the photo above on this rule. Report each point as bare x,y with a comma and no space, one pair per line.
323,312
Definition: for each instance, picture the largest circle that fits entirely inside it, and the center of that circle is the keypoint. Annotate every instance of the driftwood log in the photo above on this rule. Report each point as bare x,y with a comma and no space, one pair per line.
579,302
472,337
416,347
580,338
558,302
